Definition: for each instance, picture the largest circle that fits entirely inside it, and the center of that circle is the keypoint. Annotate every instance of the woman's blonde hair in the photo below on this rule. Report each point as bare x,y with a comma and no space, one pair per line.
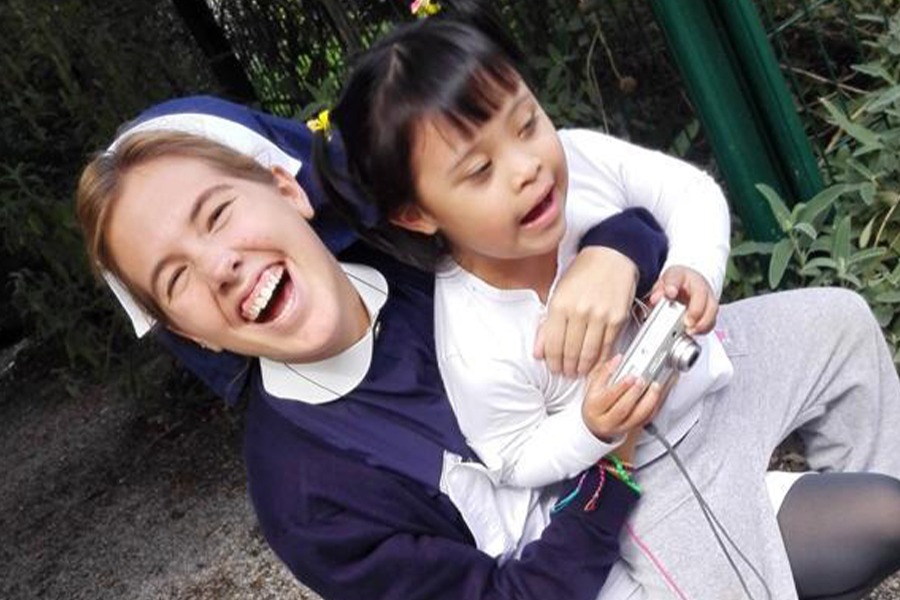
101,184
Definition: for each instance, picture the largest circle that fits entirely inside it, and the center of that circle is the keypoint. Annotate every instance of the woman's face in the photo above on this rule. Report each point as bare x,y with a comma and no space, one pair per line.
233,263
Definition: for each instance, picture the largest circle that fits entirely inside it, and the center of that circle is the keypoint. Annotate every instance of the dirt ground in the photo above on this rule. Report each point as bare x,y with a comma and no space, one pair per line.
104,499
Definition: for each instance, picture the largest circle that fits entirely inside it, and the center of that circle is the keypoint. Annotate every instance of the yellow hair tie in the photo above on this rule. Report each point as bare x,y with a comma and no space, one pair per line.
424,8
320,123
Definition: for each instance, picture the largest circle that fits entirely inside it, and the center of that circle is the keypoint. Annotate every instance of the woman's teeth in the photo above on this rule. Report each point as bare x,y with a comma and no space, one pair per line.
262,294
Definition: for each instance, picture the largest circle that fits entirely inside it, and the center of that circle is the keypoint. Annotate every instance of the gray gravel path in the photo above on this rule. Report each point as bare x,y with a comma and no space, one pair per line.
99,502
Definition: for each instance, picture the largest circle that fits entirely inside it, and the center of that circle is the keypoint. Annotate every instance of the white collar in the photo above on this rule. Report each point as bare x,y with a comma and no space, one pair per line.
237,136
329,379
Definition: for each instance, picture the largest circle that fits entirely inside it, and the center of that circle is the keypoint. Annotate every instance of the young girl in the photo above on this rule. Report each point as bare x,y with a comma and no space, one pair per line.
497,193
461,163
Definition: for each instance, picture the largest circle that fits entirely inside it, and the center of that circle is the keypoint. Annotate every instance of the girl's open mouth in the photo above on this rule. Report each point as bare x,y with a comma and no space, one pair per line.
269,297
540,209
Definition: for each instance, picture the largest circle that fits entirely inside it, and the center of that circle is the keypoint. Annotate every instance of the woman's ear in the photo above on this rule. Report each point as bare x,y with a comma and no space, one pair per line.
414,218
290,189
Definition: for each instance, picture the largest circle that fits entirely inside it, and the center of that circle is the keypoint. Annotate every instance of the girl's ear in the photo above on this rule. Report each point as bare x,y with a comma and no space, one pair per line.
414,218
291,190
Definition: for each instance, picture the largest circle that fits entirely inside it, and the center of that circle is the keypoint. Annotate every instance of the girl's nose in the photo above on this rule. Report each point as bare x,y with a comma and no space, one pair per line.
527,168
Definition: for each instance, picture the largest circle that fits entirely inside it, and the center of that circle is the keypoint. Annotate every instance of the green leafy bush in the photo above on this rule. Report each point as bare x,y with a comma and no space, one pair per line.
73,71
849,234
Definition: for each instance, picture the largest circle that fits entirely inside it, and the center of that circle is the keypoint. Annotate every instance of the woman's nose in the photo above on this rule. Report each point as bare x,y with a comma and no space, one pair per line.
221,267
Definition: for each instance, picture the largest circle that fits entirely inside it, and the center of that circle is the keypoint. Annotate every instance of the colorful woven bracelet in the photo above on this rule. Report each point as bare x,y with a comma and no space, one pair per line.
621,471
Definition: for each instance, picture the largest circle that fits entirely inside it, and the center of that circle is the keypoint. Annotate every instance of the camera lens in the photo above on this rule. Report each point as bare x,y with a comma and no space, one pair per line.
684,353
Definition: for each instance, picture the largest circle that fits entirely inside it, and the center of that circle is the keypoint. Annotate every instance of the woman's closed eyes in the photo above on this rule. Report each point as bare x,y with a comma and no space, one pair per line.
217,215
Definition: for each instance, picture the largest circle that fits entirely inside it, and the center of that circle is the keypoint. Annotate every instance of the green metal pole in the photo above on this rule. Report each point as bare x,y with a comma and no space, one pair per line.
754,52
731,124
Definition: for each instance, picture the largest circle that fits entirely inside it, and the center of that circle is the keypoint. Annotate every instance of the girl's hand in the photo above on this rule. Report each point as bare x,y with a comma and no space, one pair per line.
691,289
588,308
613,410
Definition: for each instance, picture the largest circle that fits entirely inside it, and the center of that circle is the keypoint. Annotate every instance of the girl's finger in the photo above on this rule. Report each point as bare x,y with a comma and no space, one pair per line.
619,411
708,320
601,374
598,402
696,307
673,281
645,408
657,292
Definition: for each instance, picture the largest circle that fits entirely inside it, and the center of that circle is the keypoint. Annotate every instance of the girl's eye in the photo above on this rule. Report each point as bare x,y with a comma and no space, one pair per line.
530,124
216,215
177,275
480,171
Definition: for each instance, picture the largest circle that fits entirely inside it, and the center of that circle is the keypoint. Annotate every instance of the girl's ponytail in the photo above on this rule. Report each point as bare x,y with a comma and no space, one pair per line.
352,202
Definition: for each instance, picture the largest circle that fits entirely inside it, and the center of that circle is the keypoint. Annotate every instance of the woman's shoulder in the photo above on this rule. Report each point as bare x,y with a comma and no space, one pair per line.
394,271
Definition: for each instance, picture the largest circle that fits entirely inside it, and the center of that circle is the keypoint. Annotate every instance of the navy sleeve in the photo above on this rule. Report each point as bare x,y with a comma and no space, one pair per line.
351,531
353,557
636,234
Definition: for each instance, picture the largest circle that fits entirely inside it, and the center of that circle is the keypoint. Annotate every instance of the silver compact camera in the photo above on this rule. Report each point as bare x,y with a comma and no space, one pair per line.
661,347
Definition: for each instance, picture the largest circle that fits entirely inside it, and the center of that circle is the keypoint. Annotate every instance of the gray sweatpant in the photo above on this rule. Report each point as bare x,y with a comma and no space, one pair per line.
809,360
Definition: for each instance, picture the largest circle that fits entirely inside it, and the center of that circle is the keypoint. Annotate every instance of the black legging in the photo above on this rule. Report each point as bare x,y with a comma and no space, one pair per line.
842,533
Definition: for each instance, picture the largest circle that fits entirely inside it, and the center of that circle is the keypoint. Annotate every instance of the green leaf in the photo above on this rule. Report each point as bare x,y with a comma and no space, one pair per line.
806,229
840,245
867,254
894,47
553,76
555,54
883,314
868,138
866,234
891,297
810,271
685,138
867,193
884,99
875,69
781,255
852,279
779,208
893,278
822,244
750,247
732,273
895,243
821,262
861,169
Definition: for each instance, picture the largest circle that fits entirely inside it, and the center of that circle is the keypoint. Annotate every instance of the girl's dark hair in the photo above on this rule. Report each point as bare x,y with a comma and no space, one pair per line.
458,65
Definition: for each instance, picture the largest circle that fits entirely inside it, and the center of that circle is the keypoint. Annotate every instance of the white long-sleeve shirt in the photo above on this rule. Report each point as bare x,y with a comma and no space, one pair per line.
524,422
